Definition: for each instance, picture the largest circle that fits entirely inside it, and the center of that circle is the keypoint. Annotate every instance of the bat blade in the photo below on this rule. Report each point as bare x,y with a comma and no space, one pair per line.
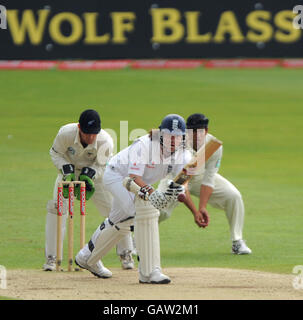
203,154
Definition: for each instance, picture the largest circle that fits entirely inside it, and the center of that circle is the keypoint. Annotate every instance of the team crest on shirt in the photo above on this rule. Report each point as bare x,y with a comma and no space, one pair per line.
90,154
71,150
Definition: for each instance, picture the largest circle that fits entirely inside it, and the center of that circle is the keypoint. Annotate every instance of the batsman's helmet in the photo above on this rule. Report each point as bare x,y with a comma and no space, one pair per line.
173,124
197,121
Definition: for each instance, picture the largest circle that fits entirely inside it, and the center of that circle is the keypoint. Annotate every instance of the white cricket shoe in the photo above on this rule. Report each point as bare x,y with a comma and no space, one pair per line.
127,261
156,277
50,264
240,247
97,270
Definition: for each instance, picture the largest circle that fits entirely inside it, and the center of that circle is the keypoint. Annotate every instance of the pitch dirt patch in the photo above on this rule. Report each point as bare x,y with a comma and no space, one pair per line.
187,284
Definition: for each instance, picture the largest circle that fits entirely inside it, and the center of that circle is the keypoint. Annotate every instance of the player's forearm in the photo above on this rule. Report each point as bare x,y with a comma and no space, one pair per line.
139,181
205,193
189,203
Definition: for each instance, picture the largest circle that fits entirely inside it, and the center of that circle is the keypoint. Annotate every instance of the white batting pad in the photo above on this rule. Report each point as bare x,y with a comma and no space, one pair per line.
51,228
147,236
106,237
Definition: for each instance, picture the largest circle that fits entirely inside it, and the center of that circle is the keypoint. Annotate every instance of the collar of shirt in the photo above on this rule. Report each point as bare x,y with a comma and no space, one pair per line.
89,146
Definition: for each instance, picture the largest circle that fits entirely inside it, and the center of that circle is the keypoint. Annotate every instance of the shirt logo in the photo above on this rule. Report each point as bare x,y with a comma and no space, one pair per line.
90,154
151,166
71,150
218,163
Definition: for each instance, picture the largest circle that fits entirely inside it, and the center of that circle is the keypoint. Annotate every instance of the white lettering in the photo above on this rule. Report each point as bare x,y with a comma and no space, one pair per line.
298,280
3,21
298,20
120,310
3,283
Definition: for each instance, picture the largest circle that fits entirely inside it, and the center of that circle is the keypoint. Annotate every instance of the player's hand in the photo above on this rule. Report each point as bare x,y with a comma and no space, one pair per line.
174,190
68,171
145,191
87,175
159,200
202,218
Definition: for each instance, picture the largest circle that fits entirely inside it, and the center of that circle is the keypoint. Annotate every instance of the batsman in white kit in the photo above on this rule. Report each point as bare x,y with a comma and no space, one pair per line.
210,187
80,152
145,162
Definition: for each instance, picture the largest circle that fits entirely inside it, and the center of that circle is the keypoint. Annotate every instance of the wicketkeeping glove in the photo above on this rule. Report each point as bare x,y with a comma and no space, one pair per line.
68,171
86,175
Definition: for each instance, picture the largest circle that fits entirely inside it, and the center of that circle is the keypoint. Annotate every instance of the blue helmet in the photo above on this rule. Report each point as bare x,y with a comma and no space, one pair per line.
173,124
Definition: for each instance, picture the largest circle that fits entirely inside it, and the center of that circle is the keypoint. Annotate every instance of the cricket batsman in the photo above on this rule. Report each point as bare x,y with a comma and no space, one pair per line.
210,187
148,160
80,151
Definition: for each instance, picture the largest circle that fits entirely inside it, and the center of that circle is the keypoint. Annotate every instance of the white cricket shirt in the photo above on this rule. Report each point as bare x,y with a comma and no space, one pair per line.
143,158
67,149
206,174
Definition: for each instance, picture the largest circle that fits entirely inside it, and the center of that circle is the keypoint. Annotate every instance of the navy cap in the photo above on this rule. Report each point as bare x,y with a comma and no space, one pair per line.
197,121
90,122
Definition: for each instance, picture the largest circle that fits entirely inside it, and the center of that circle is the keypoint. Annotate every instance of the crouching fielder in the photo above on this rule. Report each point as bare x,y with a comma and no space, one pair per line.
148,160
210,187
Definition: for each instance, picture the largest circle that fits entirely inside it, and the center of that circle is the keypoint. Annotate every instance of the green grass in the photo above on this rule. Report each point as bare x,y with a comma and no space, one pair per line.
7,298
257,113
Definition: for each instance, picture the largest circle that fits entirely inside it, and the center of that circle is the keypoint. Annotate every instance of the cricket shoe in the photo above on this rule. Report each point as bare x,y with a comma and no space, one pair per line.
50,264
156,277
97,270
127,261
240,247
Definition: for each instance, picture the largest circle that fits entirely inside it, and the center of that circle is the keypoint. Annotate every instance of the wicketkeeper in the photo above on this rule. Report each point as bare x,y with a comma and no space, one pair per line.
80,152
148,160
210,187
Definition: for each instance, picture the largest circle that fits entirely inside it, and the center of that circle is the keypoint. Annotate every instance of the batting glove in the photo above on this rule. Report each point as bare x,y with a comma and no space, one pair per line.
159,200
174,190
144,192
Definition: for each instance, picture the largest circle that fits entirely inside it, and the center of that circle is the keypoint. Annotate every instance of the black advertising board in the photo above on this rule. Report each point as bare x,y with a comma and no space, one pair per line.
143,29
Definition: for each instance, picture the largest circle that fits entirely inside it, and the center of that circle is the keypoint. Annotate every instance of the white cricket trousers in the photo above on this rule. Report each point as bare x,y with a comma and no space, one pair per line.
225,197
123,205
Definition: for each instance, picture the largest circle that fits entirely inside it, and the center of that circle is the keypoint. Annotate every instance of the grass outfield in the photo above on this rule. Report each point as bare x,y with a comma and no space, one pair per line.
257,113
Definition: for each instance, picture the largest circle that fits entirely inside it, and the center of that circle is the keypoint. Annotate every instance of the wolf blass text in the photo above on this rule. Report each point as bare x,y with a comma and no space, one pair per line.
151,309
